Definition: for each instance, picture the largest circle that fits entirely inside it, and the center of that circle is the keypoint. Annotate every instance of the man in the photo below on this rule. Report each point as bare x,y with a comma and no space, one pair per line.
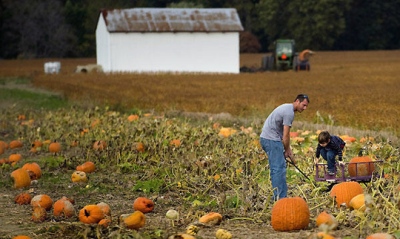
275,141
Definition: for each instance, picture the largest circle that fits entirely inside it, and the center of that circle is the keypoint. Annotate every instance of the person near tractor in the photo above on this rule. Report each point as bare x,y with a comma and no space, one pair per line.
328,147
275,141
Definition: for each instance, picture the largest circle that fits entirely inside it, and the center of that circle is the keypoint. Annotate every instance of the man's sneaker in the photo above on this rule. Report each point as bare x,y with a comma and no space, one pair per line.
330,173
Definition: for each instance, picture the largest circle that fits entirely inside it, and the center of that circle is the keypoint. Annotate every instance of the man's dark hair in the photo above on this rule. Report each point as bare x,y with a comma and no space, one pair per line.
324,137
301,97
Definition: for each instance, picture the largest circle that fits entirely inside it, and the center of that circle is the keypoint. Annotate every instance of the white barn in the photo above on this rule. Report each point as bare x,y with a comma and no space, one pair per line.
168,40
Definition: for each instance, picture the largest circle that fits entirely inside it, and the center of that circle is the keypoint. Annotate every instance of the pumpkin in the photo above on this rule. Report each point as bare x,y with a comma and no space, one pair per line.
15,144
2,149
39,214
87,167
211,218
42,200
54,147
99,145
139,146
289,214
143,204
3,145
105,208
34,170
133,118
358,202
37,144
225,132
78,177
324,235
327,219
135,220
63,207
23,199
14,158
380,235
91,214
21,237
223,234
361,166
175,143
343,192
21,178
105,222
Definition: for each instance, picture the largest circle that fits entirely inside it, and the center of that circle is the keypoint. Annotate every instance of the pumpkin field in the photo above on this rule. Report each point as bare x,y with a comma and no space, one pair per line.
167,155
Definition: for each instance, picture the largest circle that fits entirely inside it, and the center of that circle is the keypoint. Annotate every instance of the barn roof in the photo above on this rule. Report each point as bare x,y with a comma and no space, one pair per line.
172,20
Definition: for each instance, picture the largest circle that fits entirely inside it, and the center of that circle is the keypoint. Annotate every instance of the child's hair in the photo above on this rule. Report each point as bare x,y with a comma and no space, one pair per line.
324,137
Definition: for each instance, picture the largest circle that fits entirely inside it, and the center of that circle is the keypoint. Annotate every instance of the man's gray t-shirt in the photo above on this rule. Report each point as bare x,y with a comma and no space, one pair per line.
273,125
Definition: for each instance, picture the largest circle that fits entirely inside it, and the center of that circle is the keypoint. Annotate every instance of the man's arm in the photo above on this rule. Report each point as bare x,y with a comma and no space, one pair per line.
286,142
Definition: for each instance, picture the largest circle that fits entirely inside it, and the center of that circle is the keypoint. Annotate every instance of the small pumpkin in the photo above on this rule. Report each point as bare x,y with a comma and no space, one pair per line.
3,144
225,132
79,177
63,207
42,200
211,218
15,144
37,144
105,222
14,158
105,208
23,199
327,219
343,192
361,166
91,214
39,214
135,220
358,202
21,178
380,235
289,214
143,204
175,143
87,167
33,169
99,145
21,237
133,117
54,147
139,146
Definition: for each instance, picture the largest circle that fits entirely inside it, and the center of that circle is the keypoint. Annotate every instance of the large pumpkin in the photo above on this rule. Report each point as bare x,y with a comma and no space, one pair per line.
42,200
91,214
63,207
361,166
290,214
345,191
143,204
21,178
87,167
135,220
34,170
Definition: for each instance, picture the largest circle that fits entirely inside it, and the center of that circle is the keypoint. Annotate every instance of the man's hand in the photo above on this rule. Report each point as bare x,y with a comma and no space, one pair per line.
291,158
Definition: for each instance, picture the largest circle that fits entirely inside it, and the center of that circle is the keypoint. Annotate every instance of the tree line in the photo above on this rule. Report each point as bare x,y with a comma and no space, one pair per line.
66,28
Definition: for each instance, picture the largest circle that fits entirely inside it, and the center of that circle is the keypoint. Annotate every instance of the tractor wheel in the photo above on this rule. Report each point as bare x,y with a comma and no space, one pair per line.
264,63
270,63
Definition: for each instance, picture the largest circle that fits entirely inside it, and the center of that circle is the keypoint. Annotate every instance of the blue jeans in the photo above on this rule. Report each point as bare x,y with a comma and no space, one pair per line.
329,156
277,165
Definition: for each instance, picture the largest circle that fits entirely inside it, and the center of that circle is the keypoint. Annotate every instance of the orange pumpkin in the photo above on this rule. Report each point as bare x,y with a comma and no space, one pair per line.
34,170
139,146
211,218
133,118
87,167
14,158
99,145
358,202
324,235
63,207
343,192
135,220
21,237
39,214
105,222
143,204
21,178
23,198
2,149
15,144
380,235
79,177
43,201
361,166
37,144
91,214
54,147
327,219
175,143
289,214
3,144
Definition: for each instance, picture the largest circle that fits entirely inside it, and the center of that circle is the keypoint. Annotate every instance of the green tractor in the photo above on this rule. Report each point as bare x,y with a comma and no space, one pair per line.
283,58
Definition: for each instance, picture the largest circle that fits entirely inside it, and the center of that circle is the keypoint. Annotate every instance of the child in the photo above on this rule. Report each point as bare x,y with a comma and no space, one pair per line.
328,147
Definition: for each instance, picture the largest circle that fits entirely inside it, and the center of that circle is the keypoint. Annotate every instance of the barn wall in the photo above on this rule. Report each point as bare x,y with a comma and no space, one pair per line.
103,45
174,52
